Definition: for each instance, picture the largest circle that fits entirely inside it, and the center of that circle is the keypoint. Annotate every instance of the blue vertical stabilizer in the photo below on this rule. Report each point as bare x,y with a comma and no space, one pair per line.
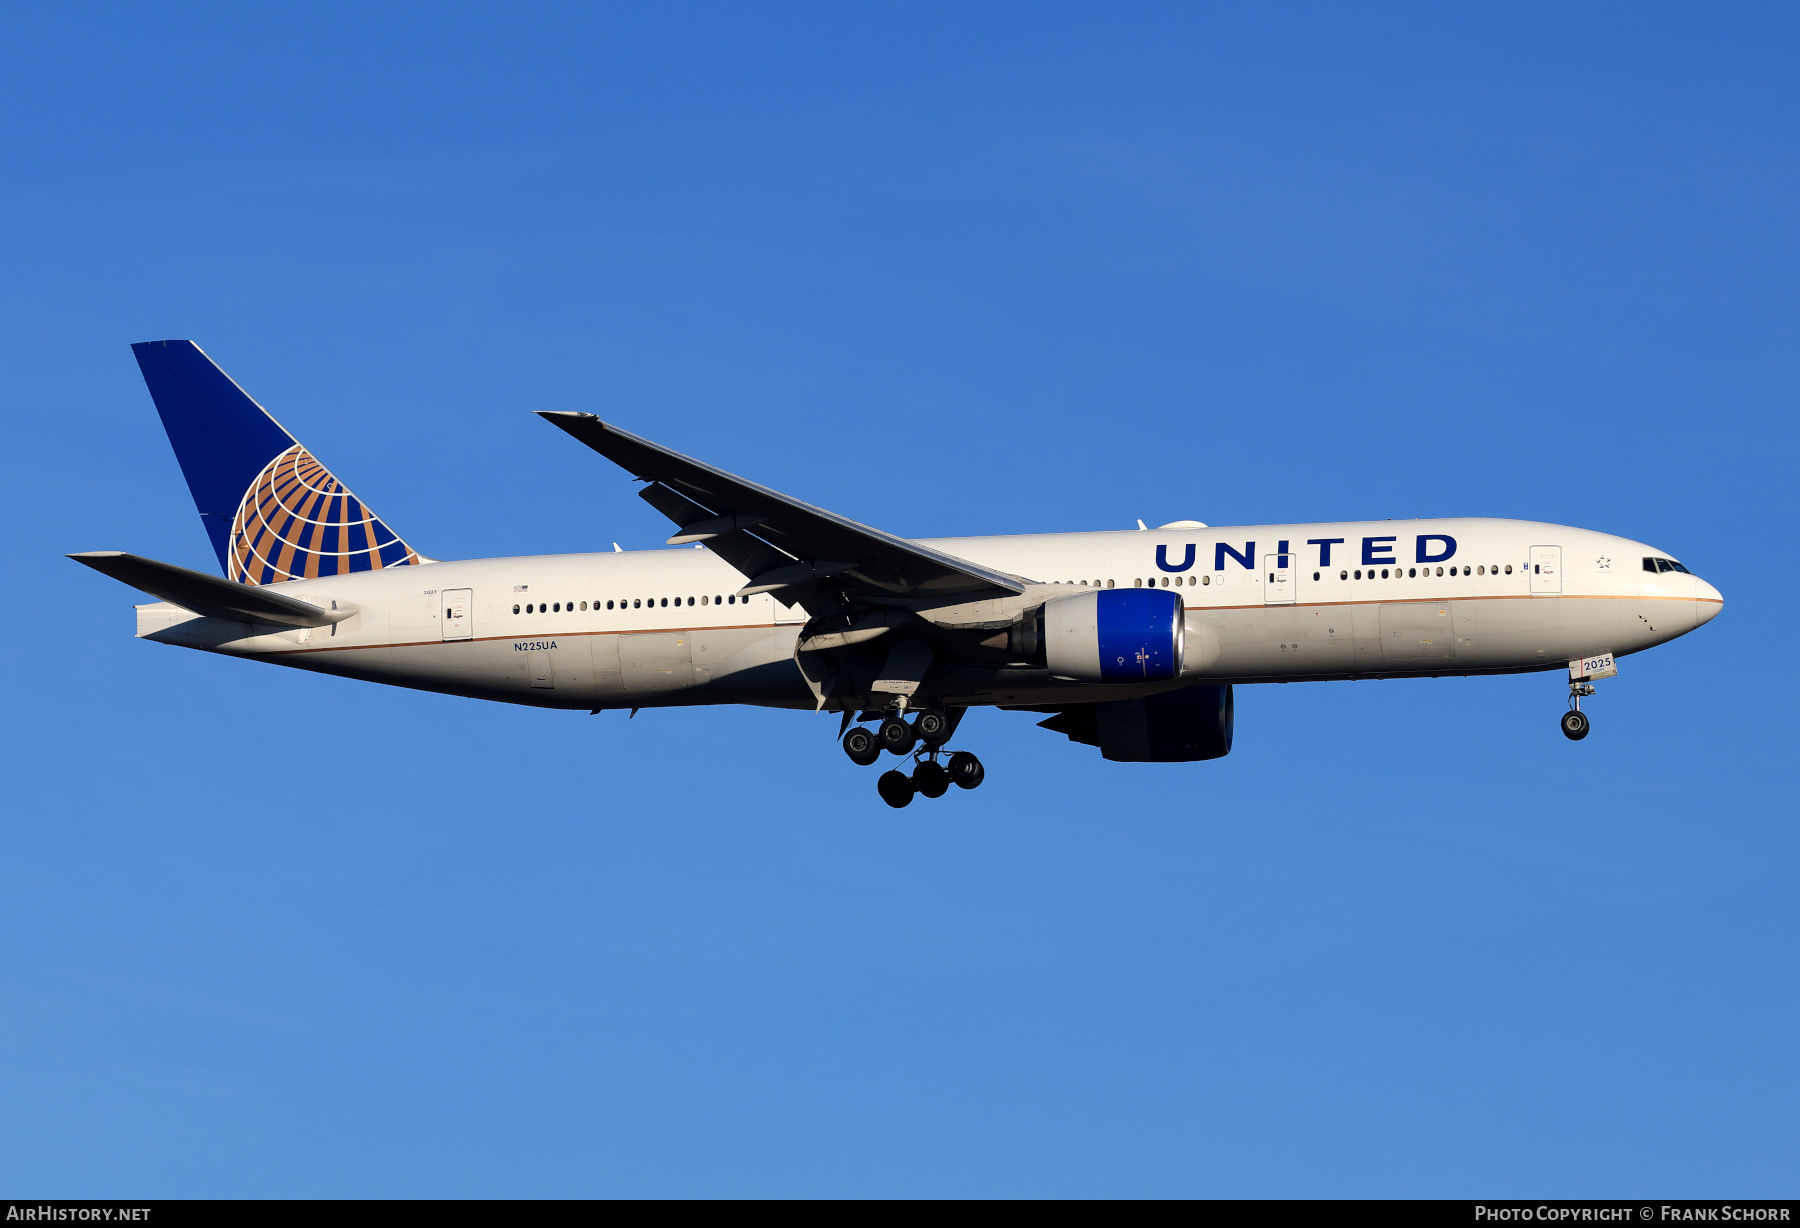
271,510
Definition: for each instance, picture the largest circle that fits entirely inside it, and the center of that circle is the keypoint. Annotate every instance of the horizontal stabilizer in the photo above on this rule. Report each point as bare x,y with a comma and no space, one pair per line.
210,595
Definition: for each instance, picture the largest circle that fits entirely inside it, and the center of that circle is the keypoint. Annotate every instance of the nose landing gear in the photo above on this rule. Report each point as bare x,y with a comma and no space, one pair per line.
1575,722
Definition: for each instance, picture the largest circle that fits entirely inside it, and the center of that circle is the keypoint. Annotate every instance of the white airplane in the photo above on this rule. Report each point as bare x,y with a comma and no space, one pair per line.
1130,640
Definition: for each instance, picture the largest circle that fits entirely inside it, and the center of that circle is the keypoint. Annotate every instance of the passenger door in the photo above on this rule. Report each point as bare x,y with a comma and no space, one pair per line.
1278,581
1546,570
458,605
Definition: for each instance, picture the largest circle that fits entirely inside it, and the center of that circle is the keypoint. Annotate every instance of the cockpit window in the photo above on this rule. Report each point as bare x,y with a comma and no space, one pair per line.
1661,565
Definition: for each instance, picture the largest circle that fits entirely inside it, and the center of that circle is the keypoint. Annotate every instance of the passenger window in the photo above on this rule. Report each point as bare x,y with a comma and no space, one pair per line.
731,600
690,601
1344,575
515,608
1315,576
1509,569
1359,573
1414,571
1384,574
1440,571
1206,579
635,603
718,600
1481,571
703,599
1109,584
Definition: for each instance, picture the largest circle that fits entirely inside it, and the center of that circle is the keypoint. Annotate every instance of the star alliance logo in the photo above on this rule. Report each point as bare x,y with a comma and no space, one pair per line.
1603,563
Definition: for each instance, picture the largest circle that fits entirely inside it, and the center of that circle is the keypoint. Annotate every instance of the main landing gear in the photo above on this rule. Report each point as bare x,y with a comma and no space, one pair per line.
1575,722
923,738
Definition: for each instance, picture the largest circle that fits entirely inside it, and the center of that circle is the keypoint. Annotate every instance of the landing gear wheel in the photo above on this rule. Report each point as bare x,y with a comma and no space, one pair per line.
861,746
1574,725
965,770
895,789
933,728
930,779
896,736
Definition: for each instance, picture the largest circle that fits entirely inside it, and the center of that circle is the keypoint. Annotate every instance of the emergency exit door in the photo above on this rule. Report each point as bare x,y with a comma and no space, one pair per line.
1278,579
1546,569
458,621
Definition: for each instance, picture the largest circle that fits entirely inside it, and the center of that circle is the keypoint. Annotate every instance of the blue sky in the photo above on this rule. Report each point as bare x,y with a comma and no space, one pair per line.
945,269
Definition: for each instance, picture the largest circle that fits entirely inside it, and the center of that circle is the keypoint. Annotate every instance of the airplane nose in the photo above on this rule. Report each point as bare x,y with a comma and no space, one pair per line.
1707,602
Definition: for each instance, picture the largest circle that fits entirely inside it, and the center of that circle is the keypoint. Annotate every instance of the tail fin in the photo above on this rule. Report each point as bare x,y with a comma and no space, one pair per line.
272,511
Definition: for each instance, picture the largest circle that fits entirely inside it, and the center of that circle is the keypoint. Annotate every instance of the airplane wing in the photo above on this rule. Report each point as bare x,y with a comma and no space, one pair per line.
211,596
777,542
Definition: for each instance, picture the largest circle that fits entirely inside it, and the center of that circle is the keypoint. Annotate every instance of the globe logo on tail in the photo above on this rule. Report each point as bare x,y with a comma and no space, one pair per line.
298,522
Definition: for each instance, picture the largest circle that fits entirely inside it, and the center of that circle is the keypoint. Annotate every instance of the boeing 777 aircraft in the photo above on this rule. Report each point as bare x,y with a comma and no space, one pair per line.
1131,641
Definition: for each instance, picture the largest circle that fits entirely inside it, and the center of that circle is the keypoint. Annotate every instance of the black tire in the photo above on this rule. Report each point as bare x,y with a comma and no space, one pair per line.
1574,725
930,780
895,789
897,736
966,771
933,728
861,746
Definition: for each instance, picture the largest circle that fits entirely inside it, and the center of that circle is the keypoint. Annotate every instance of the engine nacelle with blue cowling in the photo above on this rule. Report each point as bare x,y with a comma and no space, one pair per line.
1115,635
1182,726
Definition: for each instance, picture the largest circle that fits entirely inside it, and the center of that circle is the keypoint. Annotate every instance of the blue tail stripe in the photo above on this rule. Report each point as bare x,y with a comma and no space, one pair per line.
271,510
221,437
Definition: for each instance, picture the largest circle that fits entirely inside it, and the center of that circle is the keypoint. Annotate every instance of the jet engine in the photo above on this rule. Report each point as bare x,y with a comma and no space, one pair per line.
1115,635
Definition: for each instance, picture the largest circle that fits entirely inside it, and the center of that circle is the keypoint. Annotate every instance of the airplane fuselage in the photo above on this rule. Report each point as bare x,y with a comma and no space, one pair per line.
1267,603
